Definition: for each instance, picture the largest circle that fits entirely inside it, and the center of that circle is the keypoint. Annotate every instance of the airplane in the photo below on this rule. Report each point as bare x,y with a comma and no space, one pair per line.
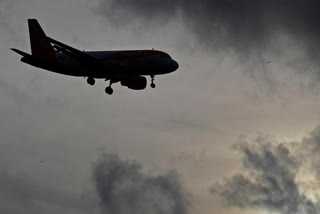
129,67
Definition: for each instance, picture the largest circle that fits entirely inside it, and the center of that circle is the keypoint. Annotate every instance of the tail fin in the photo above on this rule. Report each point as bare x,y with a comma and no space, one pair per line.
40,45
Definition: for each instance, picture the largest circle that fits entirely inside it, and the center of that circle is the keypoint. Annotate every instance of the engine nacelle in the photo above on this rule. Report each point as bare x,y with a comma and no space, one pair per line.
135,83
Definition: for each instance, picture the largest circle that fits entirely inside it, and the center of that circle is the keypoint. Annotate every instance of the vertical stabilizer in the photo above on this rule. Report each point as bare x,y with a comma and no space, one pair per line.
40,45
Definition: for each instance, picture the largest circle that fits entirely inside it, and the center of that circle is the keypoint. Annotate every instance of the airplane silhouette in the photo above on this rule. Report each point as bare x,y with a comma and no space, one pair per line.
129,67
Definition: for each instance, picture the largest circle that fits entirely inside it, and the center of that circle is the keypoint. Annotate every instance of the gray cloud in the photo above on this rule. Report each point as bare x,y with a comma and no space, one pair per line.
120,187
6,14
273,176
21,194
239,24
12,90
123,188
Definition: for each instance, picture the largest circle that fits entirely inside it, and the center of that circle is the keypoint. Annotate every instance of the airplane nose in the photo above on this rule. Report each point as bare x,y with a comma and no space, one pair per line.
175,65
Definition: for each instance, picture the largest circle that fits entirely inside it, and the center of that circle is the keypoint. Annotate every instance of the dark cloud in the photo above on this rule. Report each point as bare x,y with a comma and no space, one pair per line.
123,188
240,24
273,176
120,187
21,194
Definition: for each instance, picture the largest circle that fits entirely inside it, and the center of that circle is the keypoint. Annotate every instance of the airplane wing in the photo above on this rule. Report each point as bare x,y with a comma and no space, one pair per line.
75,53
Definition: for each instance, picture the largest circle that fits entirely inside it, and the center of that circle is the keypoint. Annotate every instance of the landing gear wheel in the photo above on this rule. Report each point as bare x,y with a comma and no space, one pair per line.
109,90
91,81
152,82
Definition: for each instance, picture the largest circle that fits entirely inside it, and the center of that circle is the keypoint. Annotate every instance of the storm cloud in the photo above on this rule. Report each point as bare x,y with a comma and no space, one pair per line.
243,24
123,188
276,176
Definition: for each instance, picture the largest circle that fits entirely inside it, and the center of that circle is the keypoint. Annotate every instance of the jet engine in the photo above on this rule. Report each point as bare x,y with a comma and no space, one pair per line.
135,83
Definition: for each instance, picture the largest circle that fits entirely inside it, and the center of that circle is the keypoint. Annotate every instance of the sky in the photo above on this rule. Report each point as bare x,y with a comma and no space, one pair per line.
226,133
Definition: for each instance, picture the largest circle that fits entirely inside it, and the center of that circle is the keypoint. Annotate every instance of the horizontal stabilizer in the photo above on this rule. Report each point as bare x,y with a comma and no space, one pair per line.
20,52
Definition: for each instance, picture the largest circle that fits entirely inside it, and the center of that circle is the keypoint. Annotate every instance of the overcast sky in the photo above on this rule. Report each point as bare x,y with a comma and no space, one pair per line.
223,134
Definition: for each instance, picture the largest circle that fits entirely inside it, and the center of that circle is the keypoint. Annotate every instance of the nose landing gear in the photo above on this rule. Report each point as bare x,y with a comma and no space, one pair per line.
152,85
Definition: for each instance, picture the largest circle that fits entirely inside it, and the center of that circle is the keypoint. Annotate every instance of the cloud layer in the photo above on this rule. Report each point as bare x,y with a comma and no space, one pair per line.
123,188
276,176
243,24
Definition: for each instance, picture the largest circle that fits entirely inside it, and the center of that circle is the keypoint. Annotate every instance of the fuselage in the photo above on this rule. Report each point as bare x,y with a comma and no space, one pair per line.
117,64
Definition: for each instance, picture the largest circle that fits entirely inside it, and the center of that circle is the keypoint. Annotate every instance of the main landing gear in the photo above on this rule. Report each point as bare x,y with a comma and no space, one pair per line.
91,81
109,90
152,85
